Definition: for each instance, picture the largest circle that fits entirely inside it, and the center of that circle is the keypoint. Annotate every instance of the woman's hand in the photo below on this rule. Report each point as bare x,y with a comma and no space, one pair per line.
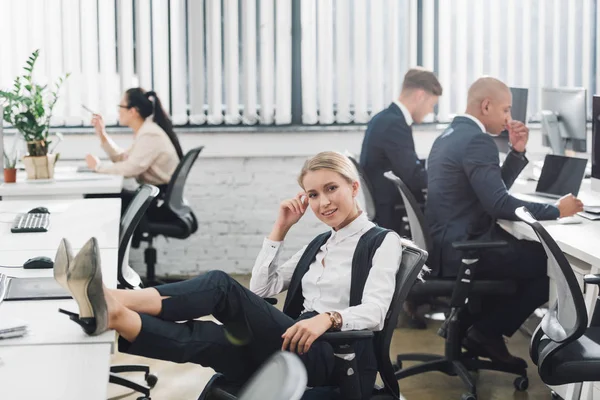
99,127
290,212
300,336
92,161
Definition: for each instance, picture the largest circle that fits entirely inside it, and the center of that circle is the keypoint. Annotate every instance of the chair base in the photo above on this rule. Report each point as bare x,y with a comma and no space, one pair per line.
151,379
462,367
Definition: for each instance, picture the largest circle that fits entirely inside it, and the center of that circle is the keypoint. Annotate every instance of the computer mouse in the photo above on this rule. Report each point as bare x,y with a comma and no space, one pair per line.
38,210
38,263
569,220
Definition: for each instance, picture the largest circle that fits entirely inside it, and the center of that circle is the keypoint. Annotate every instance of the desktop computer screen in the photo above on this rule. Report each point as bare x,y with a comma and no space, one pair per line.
564,119
596,144
519,113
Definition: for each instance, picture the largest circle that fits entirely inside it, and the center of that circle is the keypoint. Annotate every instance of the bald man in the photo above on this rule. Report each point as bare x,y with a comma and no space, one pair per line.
468,192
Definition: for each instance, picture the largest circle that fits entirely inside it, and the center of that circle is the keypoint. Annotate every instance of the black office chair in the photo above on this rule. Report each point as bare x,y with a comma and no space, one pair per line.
464,292
281,377
172,218
343,343
129,279
366,186
563,347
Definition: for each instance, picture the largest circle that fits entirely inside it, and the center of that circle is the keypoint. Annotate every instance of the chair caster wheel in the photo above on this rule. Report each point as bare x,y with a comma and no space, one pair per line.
521,383
468,396
143,398
151,380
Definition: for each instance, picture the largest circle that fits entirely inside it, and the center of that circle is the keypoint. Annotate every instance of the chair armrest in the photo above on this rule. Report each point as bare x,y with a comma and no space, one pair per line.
592,279
271,300
479,244
346,336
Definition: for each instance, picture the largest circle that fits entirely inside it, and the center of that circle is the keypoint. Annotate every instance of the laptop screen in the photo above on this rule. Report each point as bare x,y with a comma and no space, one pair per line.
561,175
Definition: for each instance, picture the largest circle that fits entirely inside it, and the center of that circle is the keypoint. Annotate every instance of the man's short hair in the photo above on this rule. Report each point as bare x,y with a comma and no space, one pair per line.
421,78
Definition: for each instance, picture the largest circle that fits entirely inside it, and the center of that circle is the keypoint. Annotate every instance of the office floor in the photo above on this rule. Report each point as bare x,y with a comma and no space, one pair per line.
186,381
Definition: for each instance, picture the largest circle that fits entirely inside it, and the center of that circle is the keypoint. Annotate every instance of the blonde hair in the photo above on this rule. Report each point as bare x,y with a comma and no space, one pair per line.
333,161
421,78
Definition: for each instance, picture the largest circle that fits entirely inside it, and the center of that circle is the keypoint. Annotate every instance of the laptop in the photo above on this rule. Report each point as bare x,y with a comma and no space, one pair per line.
560,176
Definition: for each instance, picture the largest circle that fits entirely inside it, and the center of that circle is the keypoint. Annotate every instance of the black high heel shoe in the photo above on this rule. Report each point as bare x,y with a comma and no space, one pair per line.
84,280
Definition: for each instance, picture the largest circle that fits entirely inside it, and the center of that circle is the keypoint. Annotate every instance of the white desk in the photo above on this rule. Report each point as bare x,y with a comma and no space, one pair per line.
581,245
77,220
56,359
46,324
67,184
68,372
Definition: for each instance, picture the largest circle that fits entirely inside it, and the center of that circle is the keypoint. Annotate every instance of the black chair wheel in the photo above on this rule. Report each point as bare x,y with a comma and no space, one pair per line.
468,396
521,383
151,380
143,398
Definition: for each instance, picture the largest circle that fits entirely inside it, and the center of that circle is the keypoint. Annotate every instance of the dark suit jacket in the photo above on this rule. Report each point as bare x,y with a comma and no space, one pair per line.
468,191
388,145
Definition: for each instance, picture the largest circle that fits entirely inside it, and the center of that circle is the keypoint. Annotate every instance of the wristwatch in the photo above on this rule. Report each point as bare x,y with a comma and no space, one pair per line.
336,320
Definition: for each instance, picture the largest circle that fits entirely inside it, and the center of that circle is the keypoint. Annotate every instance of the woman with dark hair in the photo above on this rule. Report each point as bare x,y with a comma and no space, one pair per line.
155,152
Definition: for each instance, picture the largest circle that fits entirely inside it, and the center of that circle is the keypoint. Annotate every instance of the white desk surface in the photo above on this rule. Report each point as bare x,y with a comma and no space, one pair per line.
46,325
75,219
75,372
581,241
67,182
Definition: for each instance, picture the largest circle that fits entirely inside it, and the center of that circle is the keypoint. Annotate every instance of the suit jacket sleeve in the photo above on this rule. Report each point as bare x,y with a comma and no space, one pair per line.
482,167
399,148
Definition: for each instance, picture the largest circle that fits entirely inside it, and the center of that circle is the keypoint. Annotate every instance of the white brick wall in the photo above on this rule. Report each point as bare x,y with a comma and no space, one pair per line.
235,201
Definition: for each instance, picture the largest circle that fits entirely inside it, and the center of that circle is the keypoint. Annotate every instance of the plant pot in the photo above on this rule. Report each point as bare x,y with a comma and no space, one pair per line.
10,175
41,167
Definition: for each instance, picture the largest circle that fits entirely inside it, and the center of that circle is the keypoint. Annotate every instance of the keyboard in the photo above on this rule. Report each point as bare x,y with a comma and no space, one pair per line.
31,222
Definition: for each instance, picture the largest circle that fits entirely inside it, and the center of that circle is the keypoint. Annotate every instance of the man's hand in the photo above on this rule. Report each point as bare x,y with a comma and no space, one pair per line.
569,205
518,135
300,336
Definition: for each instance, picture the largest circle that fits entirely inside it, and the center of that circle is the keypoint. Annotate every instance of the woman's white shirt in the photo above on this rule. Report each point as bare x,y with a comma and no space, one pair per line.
326,285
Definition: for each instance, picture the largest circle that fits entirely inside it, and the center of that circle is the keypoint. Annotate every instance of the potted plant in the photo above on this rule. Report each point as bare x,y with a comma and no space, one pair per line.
28,108
10,170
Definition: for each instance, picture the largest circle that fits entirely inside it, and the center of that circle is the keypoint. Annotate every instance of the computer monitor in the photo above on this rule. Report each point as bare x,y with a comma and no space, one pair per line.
563,118
596,144
519,113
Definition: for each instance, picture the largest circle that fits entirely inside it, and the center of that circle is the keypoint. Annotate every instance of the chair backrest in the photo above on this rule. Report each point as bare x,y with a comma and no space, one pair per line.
281,377
567,316
416,220
413,260
174,196
367,188
566,320
129,221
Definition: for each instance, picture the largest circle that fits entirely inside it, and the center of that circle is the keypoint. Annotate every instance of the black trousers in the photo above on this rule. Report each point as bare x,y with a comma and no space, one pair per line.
522,261
250,332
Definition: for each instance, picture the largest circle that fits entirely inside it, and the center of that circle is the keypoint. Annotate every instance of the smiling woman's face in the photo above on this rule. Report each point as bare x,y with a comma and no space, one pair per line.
331,197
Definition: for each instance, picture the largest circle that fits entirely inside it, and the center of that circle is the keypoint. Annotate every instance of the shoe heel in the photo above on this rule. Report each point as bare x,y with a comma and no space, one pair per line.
88,324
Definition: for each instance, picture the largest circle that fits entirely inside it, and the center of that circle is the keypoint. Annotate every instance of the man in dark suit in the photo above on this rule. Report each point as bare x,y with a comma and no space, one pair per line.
467,193
388,145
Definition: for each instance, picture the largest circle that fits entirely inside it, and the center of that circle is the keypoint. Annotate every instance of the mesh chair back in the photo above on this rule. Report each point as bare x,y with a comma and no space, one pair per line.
367,188
129,222
174,196
416,220
566,319
282,377
413,260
